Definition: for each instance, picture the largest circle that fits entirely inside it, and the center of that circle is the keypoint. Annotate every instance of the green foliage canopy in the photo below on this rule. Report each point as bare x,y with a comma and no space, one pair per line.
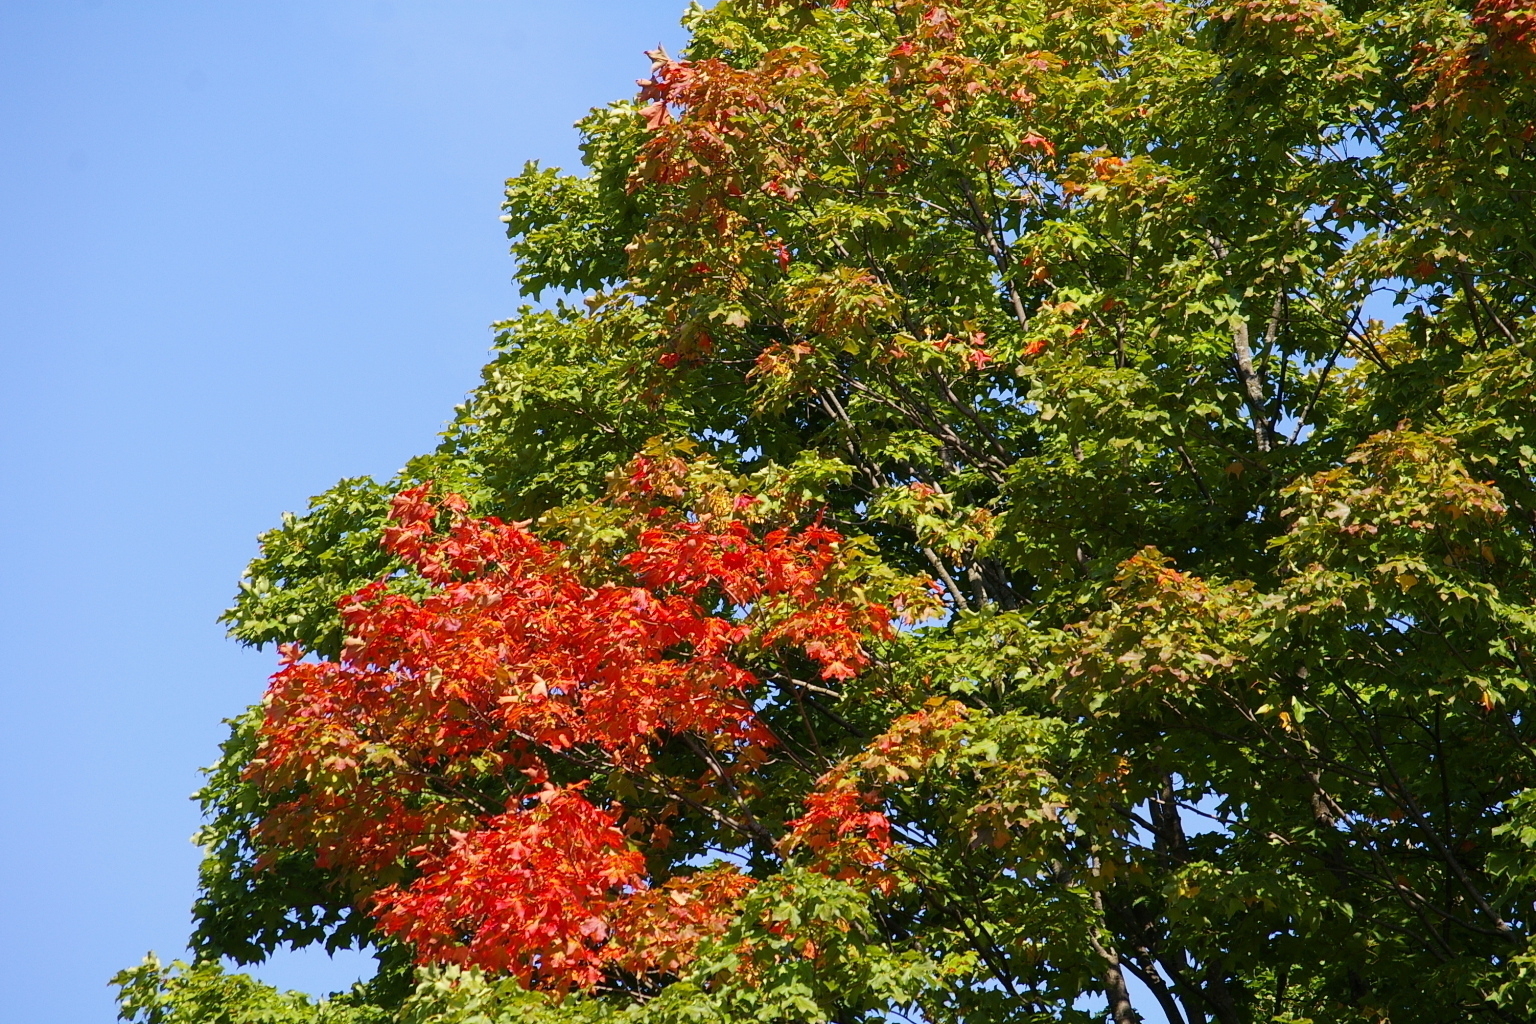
1064,304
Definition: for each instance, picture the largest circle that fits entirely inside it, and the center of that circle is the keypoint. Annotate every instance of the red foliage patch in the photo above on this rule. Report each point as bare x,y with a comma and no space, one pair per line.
398,759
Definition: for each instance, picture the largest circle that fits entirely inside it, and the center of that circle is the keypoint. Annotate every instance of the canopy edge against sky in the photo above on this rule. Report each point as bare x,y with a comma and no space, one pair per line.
248,249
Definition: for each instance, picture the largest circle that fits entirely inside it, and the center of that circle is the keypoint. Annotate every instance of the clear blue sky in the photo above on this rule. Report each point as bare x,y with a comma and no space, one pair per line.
246,249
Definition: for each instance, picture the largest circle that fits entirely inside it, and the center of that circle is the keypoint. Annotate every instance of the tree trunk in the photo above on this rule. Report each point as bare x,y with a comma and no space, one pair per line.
1120,1009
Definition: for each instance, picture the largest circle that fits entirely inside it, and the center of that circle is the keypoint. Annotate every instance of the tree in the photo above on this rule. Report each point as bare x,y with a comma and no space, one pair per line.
954,541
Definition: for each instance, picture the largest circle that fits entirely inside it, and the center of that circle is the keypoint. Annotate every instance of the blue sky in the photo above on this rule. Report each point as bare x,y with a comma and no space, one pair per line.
246,249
